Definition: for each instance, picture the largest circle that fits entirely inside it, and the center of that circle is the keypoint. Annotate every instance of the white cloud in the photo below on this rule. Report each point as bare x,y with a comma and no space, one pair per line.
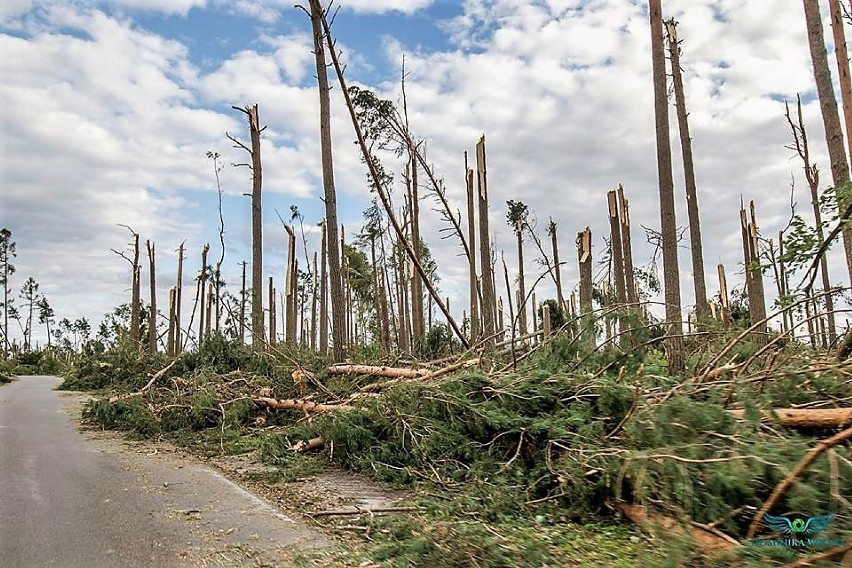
13,8
181,7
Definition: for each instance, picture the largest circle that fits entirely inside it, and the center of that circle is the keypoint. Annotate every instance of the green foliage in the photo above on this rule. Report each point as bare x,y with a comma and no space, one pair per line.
557,314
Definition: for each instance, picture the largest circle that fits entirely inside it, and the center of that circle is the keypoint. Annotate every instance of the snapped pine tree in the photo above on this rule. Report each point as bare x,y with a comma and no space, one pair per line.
257,325
668,221
830,116
689,174
152,317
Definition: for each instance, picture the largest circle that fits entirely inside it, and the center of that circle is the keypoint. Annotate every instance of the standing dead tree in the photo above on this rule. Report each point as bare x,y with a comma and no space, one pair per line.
753,269
316,11
178,344
800,146
335,276
471,257
291,287
255,130
689,175
627,248
668,221
830,117
152,317
842,57
584,258
554,245
489,292
135,307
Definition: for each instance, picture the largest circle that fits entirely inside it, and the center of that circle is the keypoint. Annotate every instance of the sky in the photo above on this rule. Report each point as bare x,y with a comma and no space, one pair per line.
109,108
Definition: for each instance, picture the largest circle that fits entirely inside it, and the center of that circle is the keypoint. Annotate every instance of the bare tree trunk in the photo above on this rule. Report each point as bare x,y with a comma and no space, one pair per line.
417,318
689,175
243,306
135,332
617,256
751,257
830,116
488,291
627,248
152,323
323,318
290,288
800,144
257,325
338,315
724,302
202,289
554,245
314,294
178,345
471,237
522,305
668,222
209,320
170,345
584,257
842,57
271,315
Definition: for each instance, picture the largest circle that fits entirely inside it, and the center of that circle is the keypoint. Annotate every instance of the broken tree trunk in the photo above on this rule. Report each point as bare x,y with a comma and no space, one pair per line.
489,293
689,175
830,116
668,221
290,288
152,317
306,406
627,249
804,417
178,344
272,334
471,237
321,32
323,313
584,257
135,335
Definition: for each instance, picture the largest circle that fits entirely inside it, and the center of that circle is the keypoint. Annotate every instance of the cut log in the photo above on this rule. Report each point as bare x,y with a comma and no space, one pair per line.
378,371
424,374
298,404
805,417
710,540
303,446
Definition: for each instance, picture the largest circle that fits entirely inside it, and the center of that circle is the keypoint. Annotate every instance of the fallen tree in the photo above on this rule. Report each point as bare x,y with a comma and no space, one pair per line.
804,417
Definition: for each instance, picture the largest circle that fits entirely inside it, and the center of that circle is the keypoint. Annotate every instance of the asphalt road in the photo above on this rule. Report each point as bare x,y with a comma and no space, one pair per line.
68,500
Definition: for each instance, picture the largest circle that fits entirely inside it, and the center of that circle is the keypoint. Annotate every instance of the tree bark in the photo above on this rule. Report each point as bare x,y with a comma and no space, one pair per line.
554,245
617,255
471,237
804,417
338,316
627,248
202,290
271,315
488,290
243,306
522,303
135,294
170,345
323,317
152,323
668,221
830,116
291,287
418,326
842,57
695,243
178,345
584,258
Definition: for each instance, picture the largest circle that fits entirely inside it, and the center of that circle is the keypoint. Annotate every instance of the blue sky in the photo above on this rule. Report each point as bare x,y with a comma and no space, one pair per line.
108,109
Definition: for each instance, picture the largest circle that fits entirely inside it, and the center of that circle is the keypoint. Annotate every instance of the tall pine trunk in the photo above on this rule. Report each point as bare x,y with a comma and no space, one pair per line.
830,116
152,323
488,289
695,243
338,317
668,222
